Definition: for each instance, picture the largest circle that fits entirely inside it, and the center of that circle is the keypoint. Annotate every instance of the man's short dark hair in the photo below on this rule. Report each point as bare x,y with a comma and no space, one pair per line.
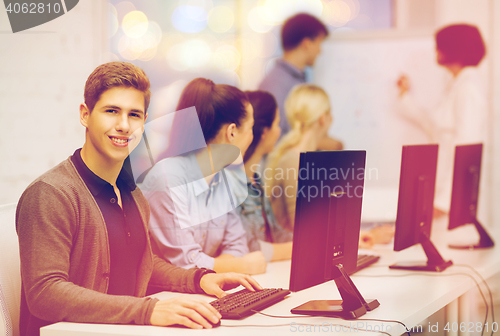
299,27
115,74
461,43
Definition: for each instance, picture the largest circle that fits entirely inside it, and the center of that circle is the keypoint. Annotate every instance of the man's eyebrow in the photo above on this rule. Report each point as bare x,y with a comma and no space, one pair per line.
119,108
112,107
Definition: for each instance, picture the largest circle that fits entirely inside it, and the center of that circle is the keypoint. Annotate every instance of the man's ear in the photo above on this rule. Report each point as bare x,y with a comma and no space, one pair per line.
84,115
306,43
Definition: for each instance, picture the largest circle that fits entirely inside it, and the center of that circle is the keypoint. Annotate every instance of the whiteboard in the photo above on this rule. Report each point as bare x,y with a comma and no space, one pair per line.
360,77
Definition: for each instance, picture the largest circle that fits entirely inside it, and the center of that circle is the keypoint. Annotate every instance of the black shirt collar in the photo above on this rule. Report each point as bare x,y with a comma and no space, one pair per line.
97,184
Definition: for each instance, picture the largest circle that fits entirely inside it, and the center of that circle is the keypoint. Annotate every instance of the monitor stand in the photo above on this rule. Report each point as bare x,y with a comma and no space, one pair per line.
485,240
352,305
435,262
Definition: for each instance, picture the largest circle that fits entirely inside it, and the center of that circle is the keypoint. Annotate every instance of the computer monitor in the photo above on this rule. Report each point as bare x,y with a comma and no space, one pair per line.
326,230
415,207
465,193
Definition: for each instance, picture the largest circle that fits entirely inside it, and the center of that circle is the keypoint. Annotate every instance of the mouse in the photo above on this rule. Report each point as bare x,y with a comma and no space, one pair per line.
215,325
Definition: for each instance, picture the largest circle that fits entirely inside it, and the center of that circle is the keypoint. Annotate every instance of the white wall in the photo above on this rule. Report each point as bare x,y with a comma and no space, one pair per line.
42,75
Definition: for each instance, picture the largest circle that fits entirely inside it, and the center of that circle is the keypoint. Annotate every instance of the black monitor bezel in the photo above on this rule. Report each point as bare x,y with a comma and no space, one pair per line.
465,191
308,265
418,168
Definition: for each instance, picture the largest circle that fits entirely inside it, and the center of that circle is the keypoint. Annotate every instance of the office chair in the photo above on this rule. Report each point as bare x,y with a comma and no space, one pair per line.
10,273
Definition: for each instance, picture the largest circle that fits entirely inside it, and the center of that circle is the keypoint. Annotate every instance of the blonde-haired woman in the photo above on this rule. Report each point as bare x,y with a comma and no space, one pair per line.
307,109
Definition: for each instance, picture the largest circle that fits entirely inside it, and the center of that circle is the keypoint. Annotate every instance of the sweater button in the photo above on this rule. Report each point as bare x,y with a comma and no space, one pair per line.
113,201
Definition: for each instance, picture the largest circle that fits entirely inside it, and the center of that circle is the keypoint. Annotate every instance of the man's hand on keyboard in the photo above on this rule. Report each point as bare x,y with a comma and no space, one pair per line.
187,311
217,283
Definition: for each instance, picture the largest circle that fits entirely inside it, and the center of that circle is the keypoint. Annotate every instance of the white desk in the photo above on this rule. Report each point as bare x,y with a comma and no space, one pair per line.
407,299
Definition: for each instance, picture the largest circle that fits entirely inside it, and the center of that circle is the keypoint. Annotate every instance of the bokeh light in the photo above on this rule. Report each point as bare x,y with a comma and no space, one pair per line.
148,54
191,54
136,43
314,7
128,49
135,24
189,19
270,45
336,13
250,47
226,57
230,77
113,24
261,19
220,19
123,8
207,5
354,7
280,9
169,40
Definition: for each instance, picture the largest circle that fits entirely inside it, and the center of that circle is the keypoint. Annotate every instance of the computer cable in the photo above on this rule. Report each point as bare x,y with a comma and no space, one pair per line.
391,321
358,319
298,324
489,291
436,275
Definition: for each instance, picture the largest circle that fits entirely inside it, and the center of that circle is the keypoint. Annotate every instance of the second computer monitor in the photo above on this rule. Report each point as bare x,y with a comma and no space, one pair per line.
416,206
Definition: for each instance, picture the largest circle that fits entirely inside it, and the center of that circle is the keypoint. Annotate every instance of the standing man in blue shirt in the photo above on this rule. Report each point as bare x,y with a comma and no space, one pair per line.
301,38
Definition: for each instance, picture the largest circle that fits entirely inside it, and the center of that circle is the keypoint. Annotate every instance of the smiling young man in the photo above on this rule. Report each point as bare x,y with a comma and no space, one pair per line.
82,227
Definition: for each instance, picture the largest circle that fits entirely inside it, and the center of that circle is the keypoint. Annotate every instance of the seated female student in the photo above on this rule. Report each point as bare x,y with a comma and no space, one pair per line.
307,108
192,221
263,231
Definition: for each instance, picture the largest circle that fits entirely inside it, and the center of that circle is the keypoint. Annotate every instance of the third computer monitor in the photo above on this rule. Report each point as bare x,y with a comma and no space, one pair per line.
465,193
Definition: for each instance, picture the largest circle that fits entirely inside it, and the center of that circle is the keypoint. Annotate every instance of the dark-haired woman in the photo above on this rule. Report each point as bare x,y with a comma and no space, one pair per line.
193,219
263,231
461,116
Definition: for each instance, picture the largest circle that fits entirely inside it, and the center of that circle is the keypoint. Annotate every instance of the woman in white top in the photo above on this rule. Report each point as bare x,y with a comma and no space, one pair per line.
461,116
193,221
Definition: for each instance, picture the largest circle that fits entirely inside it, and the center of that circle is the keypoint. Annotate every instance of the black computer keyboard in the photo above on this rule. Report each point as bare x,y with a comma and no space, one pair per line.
244,302
364,260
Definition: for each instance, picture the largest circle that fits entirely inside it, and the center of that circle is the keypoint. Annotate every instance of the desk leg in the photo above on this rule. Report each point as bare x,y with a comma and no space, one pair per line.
452,318
464,315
